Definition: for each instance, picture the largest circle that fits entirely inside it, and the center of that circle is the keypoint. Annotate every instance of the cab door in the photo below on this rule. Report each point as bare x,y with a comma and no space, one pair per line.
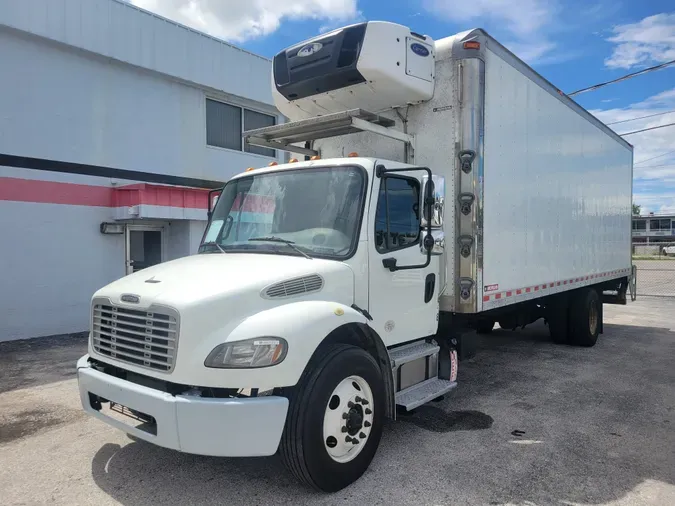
403,301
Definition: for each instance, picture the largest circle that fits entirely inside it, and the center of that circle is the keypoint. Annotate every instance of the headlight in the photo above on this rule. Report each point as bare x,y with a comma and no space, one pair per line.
251,353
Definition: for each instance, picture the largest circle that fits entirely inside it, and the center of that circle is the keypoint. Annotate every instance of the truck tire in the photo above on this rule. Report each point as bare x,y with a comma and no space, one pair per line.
484,326
584,317
335,419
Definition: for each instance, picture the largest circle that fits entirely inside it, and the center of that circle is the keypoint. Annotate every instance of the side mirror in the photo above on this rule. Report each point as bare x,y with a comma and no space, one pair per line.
434,213
434,243
213,199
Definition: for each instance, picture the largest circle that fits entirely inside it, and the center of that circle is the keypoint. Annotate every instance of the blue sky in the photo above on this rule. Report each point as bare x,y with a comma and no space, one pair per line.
573,43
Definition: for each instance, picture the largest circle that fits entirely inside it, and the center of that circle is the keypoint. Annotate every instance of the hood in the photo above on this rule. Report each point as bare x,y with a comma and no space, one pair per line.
198,278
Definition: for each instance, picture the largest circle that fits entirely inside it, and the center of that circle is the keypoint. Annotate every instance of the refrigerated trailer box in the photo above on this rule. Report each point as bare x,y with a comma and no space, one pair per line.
547,185
445,187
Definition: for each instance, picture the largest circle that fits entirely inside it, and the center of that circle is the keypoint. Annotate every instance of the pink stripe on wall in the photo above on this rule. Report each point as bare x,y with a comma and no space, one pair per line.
51,192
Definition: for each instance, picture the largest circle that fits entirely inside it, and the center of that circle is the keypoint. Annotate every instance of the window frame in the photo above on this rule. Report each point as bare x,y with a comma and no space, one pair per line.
636,228
659,221
419,220
241,127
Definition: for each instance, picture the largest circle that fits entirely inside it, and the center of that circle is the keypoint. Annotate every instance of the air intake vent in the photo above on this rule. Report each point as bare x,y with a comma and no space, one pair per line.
293,287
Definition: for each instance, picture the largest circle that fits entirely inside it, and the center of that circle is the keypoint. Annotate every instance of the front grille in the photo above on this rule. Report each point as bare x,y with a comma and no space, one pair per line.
147,338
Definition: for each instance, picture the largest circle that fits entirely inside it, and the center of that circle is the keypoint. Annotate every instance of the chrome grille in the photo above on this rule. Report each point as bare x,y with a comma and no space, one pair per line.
146,338
297,286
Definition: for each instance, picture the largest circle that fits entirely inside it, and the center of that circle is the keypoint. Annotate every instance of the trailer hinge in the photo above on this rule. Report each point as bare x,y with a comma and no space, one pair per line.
465,285
466,158
465,202
465,243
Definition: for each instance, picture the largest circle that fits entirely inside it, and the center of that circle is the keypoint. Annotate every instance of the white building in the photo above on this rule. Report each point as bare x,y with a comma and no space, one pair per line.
111,119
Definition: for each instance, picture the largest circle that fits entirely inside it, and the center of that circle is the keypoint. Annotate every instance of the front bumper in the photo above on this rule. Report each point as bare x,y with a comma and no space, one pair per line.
219,427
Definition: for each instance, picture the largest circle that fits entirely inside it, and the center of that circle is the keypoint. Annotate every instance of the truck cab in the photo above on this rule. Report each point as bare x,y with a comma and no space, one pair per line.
308,273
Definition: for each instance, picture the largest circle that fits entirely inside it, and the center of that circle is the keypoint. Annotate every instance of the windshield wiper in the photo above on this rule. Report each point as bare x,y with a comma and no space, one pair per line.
291,244
214,243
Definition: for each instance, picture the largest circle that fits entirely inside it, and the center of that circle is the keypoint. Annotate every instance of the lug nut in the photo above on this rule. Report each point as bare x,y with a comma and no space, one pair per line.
367,423
355,441
350,404
348,439
358,399
362,436
344,416
364,402
344,429
368,412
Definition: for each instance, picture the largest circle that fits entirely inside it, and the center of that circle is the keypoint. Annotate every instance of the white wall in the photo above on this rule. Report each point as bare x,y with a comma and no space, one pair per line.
53,258
62,104
118,30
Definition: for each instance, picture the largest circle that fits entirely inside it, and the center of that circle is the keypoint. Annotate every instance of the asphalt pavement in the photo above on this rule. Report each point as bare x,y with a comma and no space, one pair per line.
531,423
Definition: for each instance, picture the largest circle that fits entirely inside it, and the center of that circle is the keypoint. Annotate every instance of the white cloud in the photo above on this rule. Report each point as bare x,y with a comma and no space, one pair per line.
649,41
240,20
654,174
526,22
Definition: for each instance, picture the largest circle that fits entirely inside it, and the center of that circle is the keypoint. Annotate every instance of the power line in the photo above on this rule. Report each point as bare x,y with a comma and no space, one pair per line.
619,79
640,117
646,129
655,157
655,166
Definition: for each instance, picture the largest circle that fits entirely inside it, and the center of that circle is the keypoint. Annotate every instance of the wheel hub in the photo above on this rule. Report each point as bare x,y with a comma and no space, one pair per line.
354,420
348,419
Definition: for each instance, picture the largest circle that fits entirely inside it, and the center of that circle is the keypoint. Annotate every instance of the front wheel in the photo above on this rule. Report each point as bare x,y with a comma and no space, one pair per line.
335,419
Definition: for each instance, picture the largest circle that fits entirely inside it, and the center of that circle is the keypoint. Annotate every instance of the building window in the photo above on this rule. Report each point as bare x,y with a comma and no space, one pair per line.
639,225
397,220
659,224
225,124
253,120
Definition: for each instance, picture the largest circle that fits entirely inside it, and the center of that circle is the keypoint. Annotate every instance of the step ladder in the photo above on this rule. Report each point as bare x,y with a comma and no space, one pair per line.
429,387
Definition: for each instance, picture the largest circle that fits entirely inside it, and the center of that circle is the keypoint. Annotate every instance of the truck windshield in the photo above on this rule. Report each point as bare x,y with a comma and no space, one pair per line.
313,211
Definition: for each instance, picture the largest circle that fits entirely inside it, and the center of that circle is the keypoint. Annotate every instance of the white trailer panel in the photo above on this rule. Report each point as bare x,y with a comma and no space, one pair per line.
556,192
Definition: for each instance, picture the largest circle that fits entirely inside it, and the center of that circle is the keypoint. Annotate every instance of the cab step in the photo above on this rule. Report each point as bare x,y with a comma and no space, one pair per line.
419,394
410,352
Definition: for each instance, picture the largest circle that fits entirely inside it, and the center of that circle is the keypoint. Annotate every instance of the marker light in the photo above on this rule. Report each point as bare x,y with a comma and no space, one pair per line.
315,157
249,169
472,44
353,154
272,164
293,160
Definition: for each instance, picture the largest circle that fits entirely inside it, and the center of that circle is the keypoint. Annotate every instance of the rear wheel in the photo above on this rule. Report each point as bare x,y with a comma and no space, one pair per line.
335,419
585,315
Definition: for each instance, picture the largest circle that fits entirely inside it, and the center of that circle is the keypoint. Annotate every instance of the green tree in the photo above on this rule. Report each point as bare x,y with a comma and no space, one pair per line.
636,209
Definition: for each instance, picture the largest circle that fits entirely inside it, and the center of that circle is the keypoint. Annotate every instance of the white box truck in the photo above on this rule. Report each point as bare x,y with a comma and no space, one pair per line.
445,187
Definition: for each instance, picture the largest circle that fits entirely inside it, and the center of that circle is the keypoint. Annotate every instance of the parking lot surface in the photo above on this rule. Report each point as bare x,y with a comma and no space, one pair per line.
530,423
656,277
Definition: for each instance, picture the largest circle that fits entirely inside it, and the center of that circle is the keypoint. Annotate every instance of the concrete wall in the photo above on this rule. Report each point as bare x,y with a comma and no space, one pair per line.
117,30
61,104
53,258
